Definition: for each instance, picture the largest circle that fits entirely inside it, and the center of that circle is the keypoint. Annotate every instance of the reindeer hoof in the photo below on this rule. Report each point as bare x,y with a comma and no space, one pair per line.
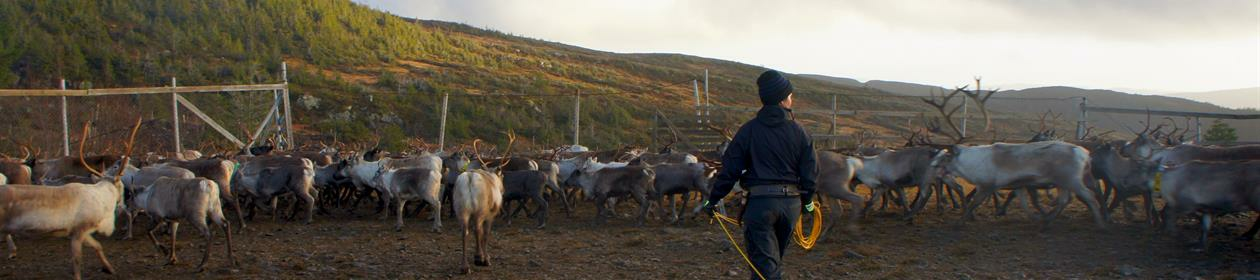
479,261
397,228
107,270
466,270
437,230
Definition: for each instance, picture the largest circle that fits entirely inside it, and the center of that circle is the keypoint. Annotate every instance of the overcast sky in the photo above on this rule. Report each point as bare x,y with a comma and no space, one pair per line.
1148,46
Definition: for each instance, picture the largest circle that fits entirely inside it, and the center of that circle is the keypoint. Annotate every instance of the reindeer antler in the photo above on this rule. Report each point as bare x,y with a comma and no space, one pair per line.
981,99
725,132
82,142
477,153
507,153
948,114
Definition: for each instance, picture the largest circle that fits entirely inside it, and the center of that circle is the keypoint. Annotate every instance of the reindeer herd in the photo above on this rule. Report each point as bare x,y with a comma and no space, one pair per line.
67,196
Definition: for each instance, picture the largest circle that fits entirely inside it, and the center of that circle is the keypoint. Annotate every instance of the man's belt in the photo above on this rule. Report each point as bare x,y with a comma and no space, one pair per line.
781,190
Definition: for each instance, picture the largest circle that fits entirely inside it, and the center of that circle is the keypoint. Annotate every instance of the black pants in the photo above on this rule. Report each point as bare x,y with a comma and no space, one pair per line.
768,224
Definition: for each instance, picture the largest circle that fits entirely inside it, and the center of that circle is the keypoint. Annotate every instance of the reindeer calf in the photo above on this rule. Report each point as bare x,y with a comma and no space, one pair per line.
525,185
407,184
169,200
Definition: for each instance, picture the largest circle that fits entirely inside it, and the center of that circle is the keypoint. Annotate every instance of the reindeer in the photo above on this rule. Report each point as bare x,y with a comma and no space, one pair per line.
1044,133
477,199
992,167
607,182
15,169
219,170
134,179
835,174
1127,177
74,210
1146,146
679,179
168,200
412,183
1210,188
265,177
893,170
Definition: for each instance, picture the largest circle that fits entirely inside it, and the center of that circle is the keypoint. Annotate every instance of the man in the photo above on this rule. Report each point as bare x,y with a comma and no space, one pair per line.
773,158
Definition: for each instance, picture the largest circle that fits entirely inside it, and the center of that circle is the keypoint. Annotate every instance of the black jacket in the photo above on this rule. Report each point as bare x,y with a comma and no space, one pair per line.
770,149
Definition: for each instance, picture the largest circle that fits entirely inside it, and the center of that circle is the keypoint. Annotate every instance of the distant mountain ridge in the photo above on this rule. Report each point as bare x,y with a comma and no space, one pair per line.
1066,101
1230,98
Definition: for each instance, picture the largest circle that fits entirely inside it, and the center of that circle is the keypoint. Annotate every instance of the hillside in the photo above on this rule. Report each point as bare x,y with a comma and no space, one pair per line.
1234,98
361,74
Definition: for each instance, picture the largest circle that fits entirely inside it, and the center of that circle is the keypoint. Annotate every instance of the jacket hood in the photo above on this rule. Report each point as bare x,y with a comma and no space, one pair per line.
773,115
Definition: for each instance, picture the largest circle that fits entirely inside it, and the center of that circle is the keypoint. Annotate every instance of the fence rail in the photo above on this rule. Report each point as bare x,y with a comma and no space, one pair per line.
137,91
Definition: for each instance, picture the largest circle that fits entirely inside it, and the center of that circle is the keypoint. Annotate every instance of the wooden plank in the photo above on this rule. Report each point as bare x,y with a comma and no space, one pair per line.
258,133
196,111
1173,113
686,141
828,113
138,91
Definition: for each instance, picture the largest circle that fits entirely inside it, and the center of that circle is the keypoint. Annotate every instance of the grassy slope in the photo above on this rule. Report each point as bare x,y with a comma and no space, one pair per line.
358,74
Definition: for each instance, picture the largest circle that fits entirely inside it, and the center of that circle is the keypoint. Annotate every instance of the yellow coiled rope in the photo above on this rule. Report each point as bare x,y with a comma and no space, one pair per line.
798,237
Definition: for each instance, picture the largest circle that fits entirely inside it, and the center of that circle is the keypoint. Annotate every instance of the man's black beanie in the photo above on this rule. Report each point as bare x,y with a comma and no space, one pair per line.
773,87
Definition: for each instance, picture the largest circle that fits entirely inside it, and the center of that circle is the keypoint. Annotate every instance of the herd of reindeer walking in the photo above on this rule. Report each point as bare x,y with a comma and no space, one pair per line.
69,196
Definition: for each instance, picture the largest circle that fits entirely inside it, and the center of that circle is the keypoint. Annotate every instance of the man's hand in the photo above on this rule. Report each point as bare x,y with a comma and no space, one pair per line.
710,207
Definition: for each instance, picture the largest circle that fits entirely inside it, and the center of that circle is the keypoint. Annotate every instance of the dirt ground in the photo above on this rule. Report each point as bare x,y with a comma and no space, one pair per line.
934,246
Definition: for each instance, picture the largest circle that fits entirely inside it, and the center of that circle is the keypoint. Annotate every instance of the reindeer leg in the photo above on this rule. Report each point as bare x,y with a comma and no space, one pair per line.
463,251
877,195
386,198
1249,235
484,243
200,224
437,213
153,237
275,209
921,199
174,232
76,253
401,204
1148,206
1035,197
227,231
644,206
1001,210
100,253
231,200
901,198
1205,223
542,209
8,238
660,205
982,193
131,216
479,259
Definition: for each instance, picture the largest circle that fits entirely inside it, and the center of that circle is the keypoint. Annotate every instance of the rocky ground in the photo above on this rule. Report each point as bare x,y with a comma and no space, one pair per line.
934,246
